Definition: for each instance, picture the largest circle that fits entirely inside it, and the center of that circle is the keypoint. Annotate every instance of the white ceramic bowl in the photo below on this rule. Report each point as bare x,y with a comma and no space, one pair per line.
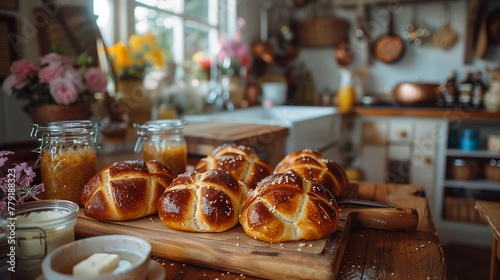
274,93
58,265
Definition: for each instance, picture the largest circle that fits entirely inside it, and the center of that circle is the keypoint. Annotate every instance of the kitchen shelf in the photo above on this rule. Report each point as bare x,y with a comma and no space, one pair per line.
479,184
475,154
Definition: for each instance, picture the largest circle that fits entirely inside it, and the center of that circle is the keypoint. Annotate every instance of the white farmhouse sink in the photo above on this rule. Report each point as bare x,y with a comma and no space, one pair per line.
309,127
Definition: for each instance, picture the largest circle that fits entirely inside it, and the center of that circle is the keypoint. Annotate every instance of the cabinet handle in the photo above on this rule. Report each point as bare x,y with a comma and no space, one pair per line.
425,159
402,133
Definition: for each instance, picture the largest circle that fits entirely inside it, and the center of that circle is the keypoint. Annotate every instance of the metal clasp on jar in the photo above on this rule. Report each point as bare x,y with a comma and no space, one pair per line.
34,240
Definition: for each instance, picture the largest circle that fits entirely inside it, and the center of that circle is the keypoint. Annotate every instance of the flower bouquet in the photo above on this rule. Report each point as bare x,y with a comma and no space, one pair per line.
17,183
56,79
132,60
58,87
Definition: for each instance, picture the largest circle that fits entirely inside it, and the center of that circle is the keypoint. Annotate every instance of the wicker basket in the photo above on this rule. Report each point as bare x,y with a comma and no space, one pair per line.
461,209
467,171
492,172
322,32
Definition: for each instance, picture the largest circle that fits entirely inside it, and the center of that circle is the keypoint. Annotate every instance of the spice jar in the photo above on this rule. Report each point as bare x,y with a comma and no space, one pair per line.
162,140
68,159
41,227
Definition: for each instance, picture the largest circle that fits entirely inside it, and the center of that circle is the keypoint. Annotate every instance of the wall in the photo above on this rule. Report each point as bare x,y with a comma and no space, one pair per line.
423,64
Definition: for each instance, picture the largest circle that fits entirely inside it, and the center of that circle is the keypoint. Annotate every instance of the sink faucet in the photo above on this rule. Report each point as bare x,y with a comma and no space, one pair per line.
219,91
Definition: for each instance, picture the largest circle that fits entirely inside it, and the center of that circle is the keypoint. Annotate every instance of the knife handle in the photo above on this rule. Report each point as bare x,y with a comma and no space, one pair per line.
403,219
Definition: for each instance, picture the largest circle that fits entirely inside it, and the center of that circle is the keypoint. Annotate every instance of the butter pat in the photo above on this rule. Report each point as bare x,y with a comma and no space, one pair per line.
97,264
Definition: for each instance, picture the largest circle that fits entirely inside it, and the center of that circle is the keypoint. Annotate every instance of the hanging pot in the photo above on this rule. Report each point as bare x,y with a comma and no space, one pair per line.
389,47
262,49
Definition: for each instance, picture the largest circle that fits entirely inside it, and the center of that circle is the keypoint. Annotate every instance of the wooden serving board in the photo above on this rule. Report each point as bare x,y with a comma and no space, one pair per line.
236,252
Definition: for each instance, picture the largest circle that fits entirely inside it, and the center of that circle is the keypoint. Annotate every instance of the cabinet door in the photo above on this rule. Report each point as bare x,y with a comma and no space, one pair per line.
398,163
374,133
373,162
423,160
401,131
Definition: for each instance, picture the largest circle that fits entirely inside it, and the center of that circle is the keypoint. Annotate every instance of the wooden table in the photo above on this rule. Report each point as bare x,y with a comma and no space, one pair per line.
369,253
490,212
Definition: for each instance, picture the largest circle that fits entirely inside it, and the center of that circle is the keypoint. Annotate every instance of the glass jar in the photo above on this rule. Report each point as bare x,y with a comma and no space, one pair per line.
162,140
41,227
68,157
469,140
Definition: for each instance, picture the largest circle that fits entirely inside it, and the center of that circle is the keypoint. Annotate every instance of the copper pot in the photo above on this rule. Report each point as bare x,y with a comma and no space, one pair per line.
416,93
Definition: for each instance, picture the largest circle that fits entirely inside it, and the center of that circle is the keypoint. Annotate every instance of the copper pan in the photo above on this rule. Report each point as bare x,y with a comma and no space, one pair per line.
262,49
416,93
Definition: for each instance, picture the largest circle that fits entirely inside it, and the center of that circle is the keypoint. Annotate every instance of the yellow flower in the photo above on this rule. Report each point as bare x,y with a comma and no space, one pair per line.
120,56
133,59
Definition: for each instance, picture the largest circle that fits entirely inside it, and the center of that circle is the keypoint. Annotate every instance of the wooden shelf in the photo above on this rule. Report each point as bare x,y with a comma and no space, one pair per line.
475,154
455,114
478,184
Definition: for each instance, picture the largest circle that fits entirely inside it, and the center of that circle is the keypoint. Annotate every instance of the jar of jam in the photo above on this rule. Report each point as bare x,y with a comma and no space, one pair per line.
162,140
68,157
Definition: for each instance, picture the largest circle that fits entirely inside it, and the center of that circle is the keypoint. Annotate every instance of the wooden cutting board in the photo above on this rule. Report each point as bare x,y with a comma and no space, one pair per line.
235,252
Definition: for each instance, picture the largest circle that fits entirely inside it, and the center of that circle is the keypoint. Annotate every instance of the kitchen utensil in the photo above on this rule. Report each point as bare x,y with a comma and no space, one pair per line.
482,39
389,48
262,49
343,54
494,26
365,203
416,32
445,37
416,93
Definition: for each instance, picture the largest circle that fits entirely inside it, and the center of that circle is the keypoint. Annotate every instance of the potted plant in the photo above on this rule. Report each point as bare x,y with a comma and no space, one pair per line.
58,87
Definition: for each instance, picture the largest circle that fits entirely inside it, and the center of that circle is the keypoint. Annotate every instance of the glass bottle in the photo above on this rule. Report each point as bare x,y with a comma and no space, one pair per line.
465,89
478,91
68,157
162,140
451,92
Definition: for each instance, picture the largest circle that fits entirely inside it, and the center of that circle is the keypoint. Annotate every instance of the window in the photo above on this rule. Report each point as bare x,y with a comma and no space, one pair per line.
184,26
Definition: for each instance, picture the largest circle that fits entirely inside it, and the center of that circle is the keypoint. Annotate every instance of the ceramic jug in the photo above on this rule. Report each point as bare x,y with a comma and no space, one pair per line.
492,97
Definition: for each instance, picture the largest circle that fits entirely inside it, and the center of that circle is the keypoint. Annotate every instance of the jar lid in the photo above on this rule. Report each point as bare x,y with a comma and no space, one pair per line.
470,132
495,162
161,125
464,162
44,132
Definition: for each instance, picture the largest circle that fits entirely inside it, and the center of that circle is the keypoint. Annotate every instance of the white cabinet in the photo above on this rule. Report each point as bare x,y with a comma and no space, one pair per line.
400,150
456,219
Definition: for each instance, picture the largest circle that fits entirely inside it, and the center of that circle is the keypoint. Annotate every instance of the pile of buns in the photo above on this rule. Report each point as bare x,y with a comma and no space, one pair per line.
232,185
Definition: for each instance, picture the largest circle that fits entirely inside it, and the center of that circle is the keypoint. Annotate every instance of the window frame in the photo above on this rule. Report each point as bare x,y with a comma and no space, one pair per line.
122,27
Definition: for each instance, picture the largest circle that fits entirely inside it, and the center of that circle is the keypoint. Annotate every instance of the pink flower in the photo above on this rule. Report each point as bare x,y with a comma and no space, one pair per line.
54,58
63,91
23,68
49,73
75,77
95,79
13,82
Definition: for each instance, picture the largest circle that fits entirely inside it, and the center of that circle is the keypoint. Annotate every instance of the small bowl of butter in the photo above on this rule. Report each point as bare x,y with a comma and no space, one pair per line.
102,257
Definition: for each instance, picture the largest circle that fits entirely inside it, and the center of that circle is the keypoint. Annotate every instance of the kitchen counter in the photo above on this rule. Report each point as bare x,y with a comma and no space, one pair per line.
369,253
446,113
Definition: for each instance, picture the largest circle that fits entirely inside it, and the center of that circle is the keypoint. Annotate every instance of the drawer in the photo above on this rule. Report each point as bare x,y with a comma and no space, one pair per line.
374,133
401,131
